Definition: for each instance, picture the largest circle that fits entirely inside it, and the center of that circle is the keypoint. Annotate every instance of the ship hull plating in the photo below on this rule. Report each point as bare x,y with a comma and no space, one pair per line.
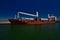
14,21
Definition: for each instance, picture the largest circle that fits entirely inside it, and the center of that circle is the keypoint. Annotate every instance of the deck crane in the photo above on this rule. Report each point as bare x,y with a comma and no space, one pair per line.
26,14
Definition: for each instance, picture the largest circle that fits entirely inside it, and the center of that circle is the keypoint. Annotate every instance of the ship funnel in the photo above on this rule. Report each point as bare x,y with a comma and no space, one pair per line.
37,14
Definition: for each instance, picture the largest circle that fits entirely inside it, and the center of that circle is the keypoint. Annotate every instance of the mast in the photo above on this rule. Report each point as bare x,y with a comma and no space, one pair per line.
48,15
17,15
37,14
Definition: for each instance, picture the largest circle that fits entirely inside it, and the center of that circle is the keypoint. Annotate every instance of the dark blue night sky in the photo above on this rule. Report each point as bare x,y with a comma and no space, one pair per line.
8,8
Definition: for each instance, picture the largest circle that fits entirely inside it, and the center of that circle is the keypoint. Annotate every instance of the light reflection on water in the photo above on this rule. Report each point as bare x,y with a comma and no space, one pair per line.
30,32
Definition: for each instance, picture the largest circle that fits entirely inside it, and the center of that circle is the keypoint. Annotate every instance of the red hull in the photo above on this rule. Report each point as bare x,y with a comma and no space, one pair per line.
15,21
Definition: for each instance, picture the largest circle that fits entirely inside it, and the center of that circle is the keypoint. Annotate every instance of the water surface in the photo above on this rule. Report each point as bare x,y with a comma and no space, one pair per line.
30,32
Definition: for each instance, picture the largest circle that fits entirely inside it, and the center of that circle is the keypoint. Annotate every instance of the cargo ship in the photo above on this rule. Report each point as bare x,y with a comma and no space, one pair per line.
50,19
